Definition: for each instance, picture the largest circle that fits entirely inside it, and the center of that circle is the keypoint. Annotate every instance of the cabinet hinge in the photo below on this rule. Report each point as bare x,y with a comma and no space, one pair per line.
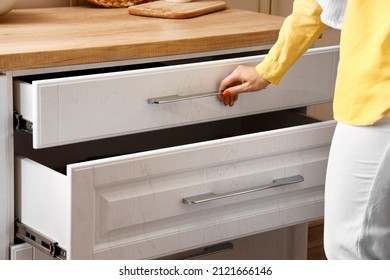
38,241
22,124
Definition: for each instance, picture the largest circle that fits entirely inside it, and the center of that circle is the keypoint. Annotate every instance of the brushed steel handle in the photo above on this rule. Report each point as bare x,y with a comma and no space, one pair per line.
178,98
213,196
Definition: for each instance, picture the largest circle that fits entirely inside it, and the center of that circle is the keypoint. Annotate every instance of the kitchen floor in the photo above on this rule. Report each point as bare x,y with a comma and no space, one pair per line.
315,246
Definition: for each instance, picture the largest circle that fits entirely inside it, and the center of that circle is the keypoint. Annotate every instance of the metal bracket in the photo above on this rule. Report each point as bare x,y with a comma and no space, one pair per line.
37,240
22,124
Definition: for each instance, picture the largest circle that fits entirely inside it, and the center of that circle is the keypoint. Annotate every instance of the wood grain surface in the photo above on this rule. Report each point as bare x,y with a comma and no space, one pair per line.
37,38
162,9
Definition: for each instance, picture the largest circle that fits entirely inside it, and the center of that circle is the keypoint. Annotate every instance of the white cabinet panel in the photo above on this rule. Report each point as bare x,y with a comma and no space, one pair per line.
6,166
80,108
131,206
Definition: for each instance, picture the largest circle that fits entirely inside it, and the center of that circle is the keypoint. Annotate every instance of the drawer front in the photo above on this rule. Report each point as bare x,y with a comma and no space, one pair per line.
76,109
132,207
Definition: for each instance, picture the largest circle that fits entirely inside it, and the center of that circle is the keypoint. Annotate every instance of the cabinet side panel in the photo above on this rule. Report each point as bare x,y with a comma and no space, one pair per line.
6,165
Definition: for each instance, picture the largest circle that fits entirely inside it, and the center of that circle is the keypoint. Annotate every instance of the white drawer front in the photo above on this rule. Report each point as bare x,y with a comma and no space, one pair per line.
75,109
131,206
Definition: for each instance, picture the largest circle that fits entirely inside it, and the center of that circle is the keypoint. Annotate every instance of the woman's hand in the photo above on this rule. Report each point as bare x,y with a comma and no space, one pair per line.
242,79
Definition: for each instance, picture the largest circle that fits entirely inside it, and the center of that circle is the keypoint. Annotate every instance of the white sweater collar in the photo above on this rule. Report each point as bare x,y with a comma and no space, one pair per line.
333,12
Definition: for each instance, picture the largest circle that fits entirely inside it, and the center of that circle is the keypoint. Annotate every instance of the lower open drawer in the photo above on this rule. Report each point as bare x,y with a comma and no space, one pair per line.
146,200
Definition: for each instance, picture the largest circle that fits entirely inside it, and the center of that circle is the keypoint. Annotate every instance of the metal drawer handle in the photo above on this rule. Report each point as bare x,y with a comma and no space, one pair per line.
212,196
177,98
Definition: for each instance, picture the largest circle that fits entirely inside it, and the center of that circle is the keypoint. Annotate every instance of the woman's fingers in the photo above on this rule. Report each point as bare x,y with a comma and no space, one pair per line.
242,79
227,98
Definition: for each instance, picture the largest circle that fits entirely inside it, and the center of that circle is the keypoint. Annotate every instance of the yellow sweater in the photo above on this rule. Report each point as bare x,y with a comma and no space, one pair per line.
362,94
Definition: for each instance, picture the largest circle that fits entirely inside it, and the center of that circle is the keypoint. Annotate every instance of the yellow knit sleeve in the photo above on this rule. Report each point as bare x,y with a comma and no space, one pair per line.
299,31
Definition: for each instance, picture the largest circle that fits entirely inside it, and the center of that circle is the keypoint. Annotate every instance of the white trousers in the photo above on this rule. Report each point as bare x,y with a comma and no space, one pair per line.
357,193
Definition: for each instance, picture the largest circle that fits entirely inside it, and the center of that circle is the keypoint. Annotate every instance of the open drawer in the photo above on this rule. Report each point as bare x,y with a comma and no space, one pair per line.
149,200
81,107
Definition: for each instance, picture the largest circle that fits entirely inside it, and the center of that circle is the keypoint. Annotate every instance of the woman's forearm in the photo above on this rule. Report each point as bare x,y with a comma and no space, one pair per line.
299,31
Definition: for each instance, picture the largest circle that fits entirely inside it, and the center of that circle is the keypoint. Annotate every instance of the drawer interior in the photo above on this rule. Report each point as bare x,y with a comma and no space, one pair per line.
58,157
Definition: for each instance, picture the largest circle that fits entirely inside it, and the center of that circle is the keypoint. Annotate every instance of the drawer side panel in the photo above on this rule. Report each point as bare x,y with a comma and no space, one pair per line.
46,121
43,200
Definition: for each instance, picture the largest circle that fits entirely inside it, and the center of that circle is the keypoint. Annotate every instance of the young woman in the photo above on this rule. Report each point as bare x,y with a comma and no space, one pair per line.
357,189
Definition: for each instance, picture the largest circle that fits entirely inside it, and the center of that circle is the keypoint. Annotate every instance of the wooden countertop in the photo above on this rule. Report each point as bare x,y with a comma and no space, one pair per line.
36,38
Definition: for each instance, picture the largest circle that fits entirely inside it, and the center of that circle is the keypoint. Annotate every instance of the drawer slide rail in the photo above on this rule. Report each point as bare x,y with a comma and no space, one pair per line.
22,124
38,241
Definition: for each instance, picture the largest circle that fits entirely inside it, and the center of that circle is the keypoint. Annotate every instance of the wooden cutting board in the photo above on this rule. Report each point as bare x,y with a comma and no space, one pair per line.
162,9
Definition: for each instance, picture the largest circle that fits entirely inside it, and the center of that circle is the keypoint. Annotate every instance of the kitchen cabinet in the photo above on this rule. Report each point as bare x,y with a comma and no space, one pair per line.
108,165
